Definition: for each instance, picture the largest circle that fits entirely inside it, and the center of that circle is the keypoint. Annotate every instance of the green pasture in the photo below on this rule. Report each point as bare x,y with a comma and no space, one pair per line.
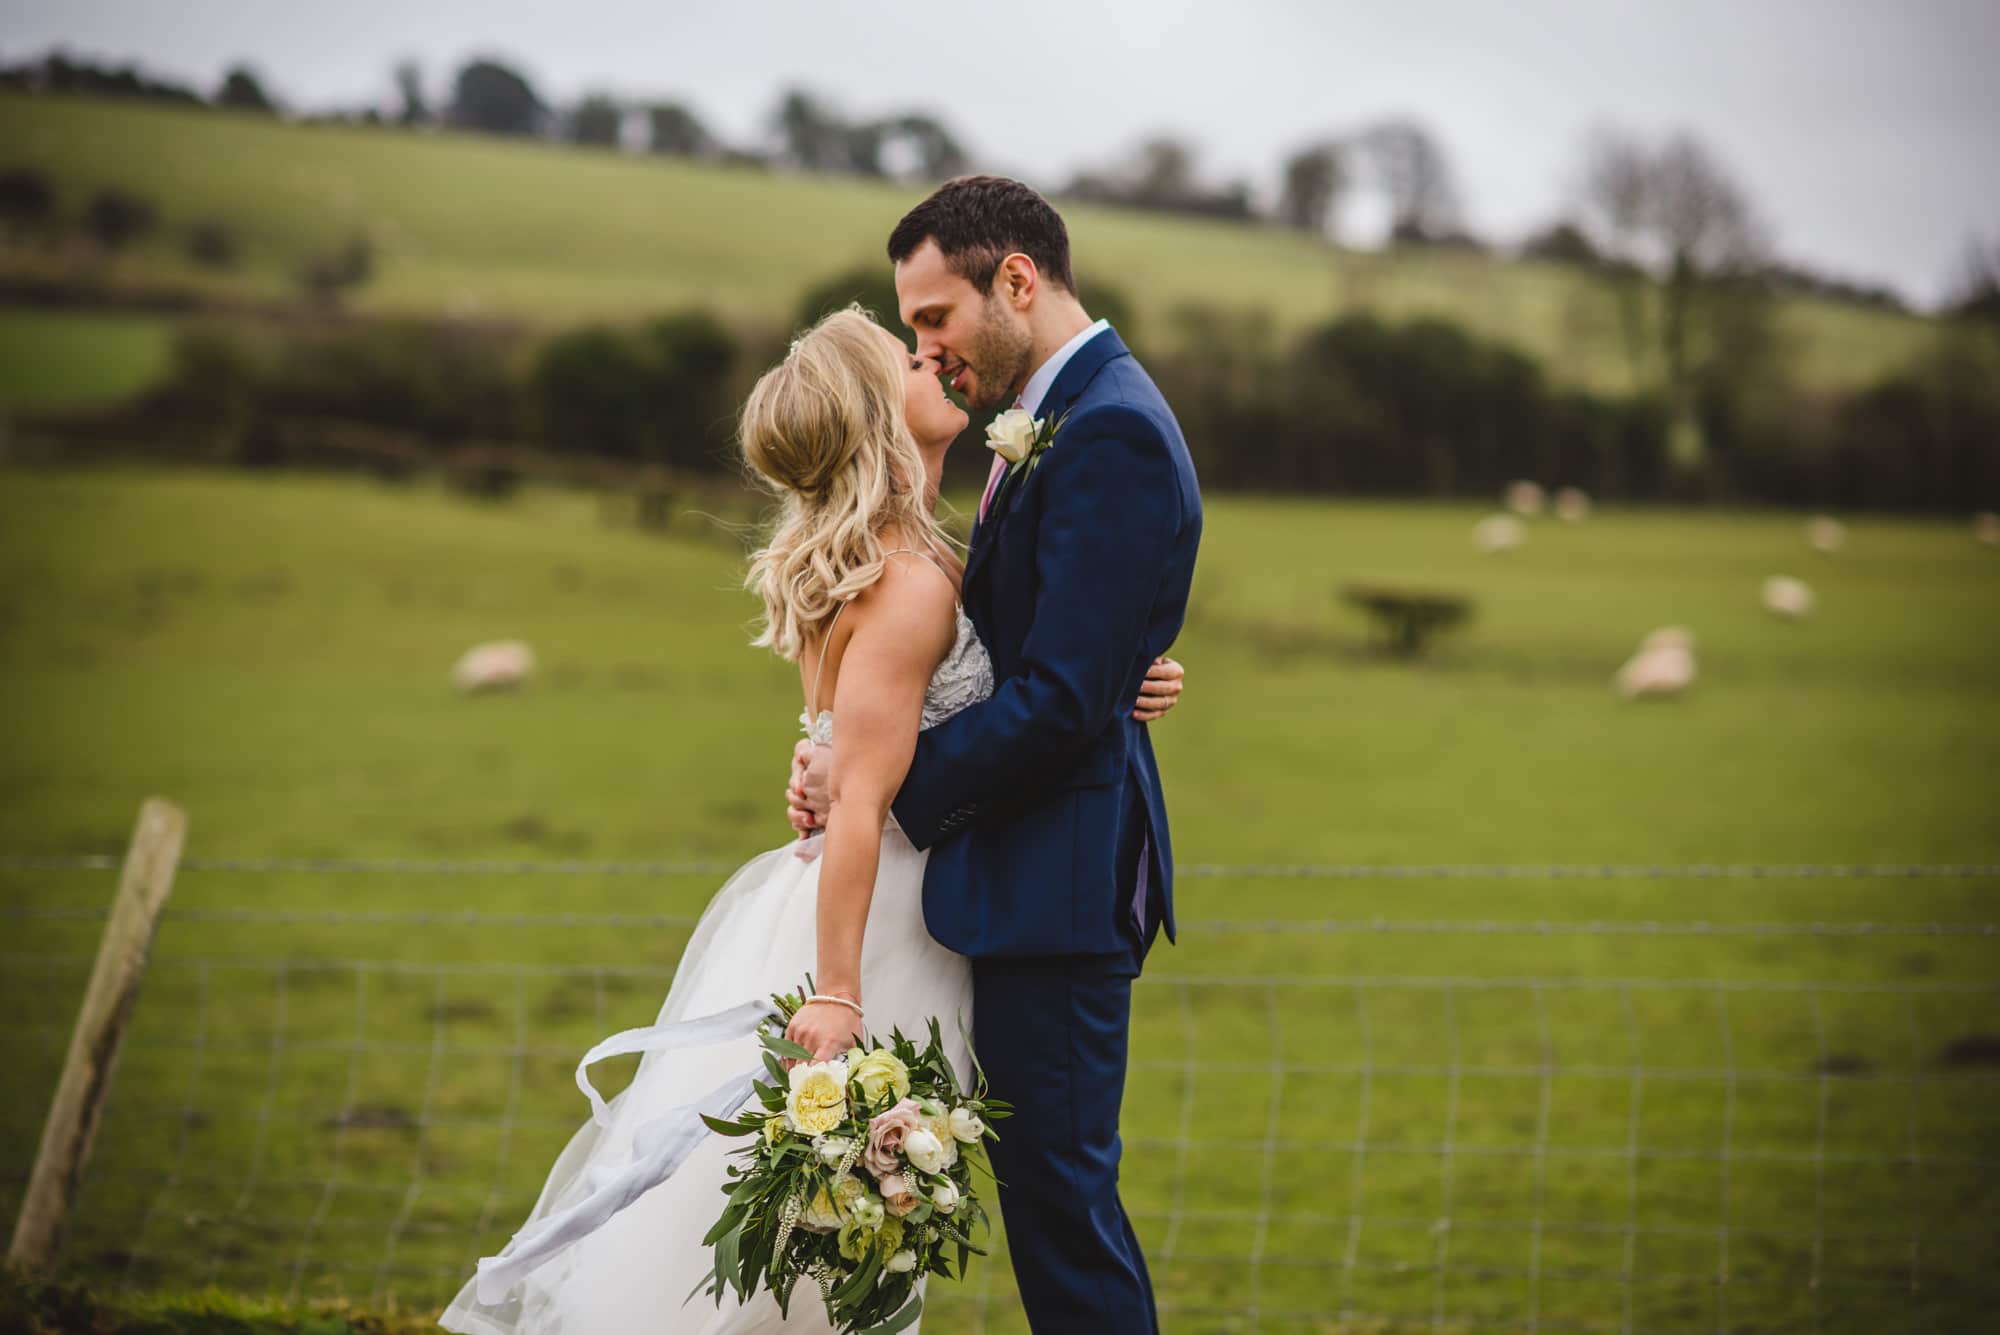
1357,1103
52,359
553,234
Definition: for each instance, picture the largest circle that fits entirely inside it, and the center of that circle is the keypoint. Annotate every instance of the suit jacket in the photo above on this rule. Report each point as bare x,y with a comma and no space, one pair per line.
1035,804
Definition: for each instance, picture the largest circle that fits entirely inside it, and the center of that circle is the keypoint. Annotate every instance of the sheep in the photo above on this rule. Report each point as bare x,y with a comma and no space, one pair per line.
1497,533
500,666
1787,597
1663,666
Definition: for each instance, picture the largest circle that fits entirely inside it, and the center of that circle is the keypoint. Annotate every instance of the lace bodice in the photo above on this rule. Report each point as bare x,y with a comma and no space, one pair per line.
963,679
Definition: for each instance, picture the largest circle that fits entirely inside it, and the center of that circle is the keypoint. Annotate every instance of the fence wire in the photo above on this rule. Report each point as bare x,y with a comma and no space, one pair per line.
1678,1124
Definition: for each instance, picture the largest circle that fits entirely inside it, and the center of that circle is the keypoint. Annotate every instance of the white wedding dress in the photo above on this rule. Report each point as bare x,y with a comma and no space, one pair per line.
633,1271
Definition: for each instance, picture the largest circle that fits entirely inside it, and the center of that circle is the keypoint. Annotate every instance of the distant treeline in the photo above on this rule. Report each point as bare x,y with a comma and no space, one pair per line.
1354,407
1605,224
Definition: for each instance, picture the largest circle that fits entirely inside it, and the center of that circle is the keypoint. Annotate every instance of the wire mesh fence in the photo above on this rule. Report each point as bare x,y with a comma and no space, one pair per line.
1610,1099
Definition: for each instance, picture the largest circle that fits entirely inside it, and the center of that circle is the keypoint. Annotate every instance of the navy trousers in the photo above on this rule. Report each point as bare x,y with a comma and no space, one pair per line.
1052,1035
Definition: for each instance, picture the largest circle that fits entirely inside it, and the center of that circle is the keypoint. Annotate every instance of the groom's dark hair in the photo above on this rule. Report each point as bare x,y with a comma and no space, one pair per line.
978,221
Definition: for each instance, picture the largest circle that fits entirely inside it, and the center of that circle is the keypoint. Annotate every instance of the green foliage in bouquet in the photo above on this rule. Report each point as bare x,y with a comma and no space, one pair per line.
858,1177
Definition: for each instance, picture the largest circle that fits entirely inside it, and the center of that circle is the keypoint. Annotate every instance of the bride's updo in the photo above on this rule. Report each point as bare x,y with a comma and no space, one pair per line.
825,430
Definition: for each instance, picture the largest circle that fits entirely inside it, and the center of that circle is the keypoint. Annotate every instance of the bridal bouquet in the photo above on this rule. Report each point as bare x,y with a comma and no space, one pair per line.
858,1179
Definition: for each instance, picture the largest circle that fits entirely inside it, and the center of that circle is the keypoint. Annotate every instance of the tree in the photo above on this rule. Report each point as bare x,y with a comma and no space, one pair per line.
915,146
242,90
675,131
596,120
116,218
1977,293
416,109
1674,213
810,136
26,198
1561,242
1315,178
494,99
1409,167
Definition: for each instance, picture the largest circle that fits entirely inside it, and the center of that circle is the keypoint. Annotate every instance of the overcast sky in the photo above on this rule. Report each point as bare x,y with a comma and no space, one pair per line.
1866,132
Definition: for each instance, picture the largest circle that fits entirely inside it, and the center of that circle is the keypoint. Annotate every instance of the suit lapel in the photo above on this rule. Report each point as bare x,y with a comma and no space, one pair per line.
1069,385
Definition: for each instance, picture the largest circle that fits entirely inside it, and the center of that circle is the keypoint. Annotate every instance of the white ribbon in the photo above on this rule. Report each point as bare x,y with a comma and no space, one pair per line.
659,1147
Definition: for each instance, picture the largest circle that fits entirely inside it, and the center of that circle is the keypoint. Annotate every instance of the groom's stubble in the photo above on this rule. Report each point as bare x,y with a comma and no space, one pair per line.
1001,355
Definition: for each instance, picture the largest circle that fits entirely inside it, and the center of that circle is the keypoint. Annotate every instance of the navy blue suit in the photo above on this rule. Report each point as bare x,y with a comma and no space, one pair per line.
1051,865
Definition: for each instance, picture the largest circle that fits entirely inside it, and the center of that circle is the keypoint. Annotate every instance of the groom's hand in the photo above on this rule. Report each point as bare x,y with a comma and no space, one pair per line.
1160,691
806,798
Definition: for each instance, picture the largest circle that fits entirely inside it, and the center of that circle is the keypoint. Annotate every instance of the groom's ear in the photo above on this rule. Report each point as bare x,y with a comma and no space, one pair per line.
1017,281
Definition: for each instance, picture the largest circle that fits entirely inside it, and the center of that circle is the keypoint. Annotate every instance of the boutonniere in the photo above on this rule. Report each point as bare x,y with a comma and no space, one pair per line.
1021,439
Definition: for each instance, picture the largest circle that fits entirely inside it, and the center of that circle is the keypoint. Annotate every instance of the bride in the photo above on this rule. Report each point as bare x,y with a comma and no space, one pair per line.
861,589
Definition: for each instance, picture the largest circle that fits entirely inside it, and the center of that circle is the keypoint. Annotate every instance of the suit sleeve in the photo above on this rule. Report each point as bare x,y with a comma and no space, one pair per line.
1111,512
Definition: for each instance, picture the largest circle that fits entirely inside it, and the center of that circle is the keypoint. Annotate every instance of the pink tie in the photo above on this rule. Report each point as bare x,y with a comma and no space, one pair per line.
992,485
993,478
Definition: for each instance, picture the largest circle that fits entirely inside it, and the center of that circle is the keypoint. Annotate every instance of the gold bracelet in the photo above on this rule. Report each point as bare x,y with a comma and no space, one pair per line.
854,1006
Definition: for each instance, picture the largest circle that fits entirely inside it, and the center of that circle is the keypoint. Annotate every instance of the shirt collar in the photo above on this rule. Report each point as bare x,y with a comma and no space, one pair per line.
1045,375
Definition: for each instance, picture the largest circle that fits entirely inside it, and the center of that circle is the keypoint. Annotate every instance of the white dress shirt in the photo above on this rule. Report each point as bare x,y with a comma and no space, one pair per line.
1045,375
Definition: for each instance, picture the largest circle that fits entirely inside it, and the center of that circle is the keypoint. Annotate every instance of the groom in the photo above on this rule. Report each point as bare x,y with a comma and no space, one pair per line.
1050,863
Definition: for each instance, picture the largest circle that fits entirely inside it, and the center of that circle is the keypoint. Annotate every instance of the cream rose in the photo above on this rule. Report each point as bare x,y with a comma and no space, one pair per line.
819,1214
925,1152
944,1196
881,1072
938,1122
1012,434
902,1263
817,1100
967,1126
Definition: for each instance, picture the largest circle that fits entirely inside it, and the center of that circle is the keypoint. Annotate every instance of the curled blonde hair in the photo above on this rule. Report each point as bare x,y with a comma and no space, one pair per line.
824,429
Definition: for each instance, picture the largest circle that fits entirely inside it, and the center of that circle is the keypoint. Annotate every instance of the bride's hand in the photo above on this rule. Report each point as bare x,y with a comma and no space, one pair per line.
1160,691
825,1029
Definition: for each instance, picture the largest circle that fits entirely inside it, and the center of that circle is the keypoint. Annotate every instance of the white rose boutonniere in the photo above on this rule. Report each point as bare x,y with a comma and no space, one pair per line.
1021,439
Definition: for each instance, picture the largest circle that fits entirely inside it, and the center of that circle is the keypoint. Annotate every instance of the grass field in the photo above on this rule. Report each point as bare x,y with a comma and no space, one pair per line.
552,234
51,359
1357,1104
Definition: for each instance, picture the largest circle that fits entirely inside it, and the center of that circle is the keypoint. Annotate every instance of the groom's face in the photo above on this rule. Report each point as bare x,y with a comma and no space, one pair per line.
980,340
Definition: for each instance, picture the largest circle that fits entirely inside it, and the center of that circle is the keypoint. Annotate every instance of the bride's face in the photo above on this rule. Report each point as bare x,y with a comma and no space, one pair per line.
934,419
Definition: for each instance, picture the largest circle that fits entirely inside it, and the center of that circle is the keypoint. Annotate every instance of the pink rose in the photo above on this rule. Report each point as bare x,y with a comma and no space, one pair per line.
886,1134
899,1194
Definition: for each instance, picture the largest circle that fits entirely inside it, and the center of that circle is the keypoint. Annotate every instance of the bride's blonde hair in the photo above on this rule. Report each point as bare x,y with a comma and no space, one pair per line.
825,430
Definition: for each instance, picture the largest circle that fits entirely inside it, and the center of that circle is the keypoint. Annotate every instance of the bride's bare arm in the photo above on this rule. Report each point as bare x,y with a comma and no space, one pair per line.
902,629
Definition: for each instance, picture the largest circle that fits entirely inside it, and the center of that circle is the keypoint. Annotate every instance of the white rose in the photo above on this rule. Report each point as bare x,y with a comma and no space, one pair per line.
926,1154
902,1263
944,1199
1012,434
966,1125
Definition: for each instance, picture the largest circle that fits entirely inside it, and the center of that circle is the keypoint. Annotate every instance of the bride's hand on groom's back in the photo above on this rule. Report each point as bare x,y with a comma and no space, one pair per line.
1161,690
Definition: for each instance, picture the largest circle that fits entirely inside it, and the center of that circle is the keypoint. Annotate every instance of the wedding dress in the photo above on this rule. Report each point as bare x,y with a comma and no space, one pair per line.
633,1271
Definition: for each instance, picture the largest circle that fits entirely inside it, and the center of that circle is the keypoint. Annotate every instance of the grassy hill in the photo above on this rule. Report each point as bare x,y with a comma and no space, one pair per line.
553,234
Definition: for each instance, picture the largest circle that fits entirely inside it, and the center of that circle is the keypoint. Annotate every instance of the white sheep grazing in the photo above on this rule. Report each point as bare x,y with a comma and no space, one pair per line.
1572,505
500,666
1498,533
1986,528
1664,665
1825,534
1787,597
1524,498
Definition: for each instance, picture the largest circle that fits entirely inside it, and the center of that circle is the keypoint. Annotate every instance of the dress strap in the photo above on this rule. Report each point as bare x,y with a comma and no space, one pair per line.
825,643
826,640
932,557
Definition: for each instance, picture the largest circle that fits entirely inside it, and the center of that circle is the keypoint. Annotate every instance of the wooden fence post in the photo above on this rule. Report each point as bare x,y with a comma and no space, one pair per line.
100,1031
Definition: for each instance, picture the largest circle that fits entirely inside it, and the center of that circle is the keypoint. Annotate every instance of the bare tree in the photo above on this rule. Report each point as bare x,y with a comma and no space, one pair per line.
1315,179
1410,167
410,88
1674,214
